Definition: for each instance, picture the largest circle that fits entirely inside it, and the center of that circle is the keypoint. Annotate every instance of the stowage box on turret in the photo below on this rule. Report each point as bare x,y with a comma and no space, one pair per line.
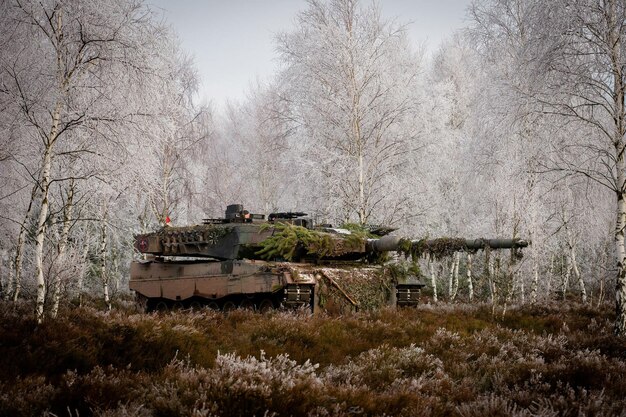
245,260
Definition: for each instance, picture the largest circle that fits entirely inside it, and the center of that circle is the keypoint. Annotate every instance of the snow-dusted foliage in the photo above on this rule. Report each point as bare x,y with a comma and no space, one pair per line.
455,360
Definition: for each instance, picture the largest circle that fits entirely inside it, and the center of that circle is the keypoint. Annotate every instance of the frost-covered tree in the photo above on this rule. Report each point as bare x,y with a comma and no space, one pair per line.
349,83
70,72
257,139
582,68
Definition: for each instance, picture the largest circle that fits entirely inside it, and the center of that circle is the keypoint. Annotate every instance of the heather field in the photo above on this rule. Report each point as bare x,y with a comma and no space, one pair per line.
549,360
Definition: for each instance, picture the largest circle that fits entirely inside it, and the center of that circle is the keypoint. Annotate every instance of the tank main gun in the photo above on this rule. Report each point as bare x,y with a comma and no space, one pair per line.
396,243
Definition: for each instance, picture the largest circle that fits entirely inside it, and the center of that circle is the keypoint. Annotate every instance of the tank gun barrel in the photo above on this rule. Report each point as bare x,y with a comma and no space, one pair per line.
396,243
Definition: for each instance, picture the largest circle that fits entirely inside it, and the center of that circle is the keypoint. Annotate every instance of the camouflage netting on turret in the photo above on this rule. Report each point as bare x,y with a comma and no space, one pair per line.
437,248
289,241
206,233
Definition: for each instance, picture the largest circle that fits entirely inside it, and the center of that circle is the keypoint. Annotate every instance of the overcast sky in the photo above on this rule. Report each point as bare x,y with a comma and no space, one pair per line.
232,41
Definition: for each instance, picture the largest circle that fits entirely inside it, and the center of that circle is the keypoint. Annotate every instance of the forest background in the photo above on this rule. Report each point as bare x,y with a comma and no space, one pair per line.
513,128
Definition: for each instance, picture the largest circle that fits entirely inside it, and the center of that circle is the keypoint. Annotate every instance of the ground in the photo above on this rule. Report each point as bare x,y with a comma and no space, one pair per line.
555,359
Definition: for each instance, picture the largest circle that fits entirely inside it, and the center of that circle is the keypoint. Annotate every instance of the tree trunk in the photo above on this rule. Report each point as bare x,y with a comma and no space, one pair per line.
41,231
83,271
103,268
620,284
19,248
568,271
455,274
450,279
614,37
433,277
62,249
470,284
579,278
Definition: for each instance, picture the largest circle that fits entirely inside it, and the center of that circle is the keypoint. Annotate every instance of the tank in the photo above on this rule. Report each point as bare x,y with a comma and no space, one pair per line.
246,260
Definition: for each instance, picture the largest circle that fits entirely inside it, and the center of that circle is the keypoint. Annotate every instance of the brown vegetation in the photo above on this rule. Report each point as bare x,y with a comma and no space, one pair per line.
432,360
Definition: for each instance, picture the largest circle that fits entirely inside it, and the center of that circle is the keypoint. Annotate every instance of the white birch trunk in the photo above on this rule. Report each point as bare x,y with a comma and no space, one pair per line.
620,285
568,271
470,284
615,26
601,292
577,274
41,230
492,285
45,173
10,280
455,274
103,268
61,253
83,272
551,277
450,279
433,277
19,249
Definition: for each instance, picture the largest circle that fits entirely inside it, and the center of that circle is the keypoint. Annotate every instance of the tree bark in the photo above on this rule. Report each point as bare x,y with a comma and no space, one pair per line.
620,284
568,272
455,275
433,277
470,284
103,259
41,231
19,248
62,249
83,271
615,41
577,274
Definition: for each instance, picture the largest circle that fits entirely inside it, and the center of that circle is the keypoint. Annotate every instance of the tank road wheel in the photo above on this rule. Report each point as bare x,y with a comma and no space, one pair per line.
229,306
213,306
161,306
266,305
246,304
195,306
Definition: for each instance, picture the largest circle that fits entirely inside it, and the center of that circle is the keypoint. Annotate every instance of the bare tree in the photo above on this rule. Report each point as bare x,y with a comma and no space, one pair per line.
585,82
64,83
349,83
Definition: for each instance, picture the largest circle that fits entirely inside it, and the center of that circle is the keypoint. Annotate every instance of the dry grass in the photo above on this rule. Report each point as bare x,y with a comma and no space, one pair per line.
432,360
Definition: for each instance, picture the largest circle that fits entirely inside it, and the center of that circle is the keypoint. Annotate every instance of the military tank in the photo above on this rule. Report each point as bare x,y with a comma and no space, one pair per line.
246,260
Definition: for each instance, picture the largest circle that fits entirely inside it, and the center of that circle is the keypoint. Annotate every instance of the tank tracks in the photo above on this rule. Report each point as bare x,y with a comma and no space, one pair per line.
292,296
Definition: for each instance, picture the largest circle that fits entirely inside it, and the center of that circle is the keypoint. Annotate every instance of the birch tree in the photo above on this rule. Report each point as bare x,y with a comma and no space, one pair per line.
79,60
586,83
349,81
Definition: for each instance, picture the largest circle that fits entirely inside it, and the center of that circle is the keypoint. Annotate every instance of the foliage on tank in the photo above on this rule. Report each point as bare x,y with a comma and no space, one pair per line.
201,233
401,272
437,248
289,241
351,289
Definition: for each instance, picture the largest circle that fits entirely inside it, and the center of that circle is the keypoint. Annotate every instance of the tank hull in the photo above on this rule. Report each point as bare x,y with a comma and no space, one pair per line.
223,285
260,285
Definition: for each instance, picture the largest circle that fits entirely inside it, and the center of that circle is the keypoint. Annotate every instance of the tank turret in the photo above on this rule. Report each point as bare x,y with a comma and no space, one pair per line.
246,259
